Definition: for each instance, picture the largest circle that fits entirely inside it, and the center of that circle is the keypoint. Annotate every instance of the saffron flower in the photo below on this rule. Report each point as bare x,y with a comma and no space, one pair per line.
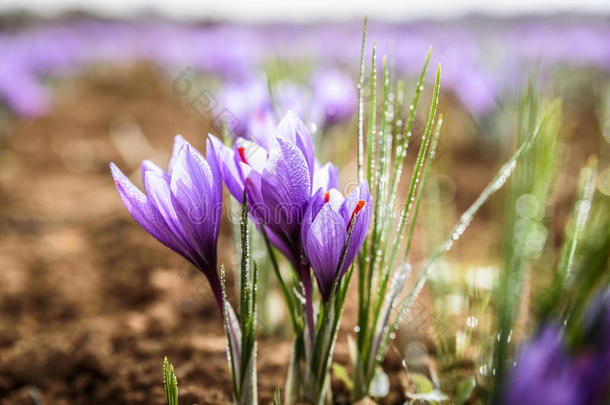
278,181
543,374
334,95
334,225
548,371
182,207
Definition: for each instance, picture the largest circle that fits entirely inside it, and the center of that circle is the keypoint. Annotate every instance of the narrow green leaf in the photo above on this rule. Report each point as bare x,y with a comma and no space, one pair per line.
387,268
244,284
496,183
283,287
380,193
424,177
363,286
276,396
579,218
170,383
361,107
404,215
402,140
372,127
343,376
228,330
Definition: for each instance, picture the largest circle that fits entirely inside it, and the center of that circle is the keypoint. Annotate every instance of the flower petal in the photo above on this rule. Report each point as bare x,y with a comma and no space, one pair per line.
143,211
316,202
361,220
292,129
325,177
198,203
148,165
179,142
324,244
159,196
250,153
285,188
231,174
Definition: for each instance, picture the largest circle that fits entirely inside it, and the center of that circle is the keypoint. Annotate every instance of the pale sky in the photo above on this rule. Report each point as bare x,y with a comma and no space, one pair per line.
282,10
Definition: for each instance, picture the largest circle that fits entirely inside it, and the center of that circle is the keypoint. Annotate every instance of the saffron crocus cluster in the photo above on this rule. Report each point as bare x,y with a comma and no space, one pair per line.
294,202
182,206
278,181
328,98
330,223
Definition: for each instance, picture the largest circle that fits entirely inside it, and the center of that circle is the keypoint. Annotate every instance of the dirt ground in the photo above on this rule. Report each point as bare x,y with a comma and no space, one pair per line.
90,303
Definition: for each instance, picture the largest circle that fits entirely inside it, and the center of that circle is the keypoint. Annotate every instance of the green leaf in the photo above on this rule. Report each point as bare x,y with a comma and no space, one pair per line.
342,375
421,383
464,390
402,140
578,220
170,383
496,183
361,107
244,284
276,396
231,330
424,177
404,215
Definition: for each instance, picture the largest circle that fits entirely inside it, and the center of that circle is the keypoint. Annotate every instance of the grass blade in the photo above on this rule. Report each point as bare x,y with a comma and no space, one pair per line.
496,183
424,177
580,216
361,107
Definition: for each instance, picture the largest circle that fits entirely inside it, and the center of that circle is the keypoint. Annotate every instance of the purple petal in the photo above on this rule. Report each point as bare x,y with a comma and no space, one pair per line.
316,202
324,244
292,129
198,203
325,177
285,187
159,197
361,218
179,142
145,214
261,127
147,165
230,173
281,245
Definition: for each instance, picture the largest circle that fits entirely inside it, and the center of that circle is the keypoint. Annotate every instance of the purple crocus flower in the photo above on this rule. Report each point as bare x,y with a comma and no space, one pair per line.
182,207
548,373
330,223
279,181
249,103
544,374
334,94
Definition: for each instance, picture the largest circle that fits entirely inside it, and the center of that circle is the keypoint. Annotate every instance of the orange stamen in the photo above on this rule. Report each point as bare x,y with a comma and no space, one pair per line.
326,197
242,155
359,206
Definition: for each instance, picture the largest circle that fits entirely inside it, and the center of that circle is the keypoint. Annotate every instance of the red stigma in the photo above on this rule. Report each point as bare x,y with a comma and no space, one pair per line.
359,206
326,197
242,155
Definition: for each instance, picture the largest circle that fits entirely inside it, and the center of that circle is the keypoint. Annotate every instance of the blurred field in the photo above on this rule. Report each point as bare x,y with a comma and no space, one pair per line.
89,303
